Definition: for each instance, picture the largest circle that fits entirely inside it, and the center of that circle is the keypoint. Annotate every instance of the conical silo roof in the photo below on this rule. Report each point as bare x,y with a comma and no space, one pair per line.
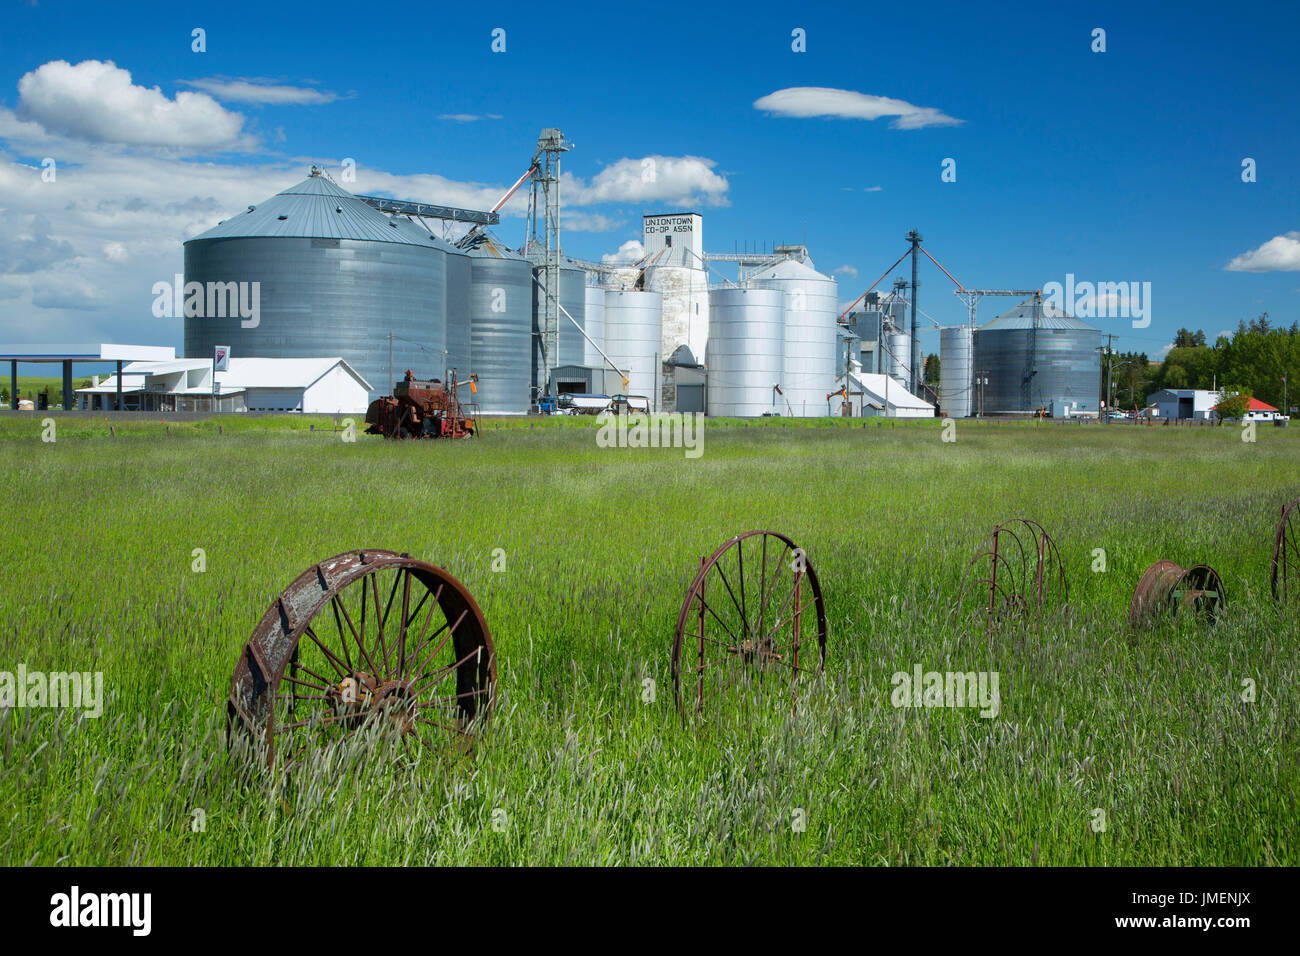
318,208
1036,311
789,269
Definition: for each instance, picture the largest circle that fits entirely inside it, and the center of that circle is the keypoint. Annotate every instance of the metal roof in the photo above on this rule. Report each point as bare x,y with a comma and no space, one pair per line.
490,245
318,208
789,269
244,373
1036,311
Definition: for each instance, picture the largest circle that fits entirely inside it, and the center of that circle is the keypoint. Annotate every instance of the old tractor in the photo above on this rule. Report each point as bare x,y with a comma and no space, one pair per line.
419,409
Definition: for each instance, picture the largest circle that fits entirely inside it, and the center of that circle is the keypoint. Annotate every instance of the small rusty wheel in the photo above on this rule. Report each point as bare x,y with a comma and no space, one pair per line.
1016,572
1167,587
365,641
1285,577
745,617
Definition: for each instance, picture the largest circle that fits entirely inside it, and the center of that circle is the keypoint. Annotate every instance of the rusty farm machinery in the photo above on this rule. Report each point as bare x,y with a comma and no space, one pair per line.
424,409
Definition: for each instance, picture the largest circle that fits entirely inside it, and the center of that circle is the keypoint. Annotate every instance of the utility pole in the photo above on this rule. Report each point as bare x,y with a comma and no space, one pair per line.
914,238
1110,364
391,381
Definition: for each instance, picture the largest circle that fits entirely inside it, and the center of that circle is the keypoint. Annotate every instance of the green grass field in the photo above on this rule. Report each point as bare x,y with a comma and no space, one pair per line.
1145,730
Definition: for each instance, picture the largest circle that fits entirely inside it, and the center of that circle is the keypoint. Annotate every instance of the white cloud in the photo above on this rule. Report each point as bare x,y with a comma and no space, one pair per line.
460,117
588,222
79,255
678,180
75,294
1163,352
628,252
242,90
95,101
26,246
1279,254
872,189
849,271
808,101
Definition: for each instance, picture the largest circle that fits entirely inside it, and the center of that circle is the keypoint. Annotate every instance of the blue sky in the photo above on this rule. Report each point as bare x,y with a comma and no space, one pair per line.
1115,166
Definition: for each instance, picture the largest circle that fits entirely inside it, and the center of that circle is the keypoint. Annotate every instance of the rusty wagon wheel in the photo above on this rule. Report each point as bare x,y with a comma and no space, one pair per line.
1285,577
1167,587
745,619
366,641
1017,571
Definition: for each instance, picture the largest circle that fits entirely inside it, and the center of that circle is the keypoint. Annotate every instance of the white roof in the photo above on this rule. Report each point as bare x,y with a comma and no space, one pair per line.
91,352
281,372
244,373
879,387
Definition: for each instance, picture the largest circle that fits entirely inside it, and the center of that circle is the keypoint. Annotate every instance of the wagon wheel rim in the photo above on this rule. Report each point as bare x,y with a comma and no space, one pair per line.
753,612
1284,577
367,642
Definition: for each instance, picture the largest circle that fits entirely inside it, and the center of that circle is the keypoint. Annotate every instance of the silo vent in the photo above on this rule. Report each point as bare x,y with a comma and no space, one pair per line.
251,208
282,217
338,208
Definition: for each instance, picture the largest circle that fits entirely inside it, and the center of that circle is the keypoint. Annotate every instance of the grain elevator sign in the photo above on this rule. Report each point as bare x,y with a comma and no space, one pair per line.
680,233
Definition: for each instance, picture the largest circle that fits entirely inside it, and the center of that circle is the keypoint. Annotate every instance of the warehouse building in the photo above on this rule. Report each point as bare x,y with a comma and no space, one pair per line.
1190,403
309,385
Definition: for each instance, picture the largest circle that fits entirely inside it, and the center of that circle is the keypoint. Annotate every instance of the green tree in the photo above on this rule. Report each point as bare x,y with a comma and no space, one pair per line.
1234,406
932,369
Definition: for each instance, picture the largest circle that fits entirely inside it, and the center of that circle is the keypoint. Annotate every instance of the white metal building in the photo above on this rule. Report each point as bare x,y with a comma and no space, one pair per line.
307,385
1197,403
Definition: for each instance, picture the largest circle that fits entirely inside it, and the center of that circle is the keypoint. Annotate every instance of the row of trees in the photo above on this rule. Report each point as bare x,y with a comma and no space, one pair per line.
1252,361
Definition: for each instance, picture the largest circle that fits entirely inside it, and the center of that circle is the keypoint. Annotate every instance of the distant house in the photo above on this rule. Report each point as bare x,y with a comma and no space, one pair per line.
1257,411
1194,403
308,385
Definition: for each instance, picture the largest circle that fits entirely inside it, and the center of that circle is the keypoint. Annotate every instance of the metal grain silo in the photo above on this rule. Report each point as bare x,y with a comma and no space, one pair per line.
1037,358
333,277
595,326
500,322
573,299
634,336
811,304
459,280
956,353
744,357
897,357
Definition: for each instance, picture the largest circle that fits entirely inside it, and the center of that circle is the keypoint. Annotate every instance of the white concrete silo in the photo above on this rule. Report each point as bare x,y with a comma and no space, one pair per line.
809,351
744,354
633,338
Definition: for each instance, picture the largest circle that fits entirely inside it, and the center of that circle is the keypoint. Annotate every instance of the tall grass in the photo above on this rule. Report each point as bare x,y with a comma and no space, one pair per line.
1148,726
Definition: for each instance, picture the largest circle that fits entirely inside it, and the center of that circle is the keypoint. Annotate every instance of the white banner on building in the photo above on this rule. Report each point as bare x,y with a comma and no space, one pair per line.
221,358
